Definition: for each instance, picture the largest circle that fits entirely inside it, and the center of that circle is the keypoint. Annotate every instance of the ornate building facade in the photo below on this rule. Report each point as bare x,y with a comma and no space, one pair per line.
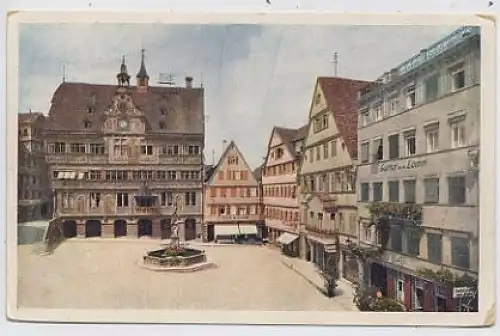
121,155
232,199
279,187
34,191
419,136
327,174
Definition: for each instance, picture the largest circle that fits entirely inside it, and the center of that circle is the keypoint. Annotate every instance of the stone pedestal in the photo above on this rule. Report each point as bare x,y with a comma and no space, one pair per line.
132,230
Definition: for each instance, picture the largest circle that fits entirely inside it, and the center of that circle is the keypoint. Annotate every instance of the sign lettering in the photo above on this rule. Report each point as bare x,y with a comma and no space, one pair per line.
399,166
461,292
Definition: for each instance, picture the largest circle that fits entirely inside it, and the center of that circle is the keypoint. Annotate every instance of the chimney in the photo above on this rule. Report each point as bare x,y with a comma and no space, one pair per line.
189,82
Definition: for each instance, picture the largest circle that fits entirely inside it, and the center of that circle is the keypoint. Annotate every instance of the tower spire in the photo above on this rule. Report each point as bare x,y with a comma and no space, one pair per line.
142,76
123,77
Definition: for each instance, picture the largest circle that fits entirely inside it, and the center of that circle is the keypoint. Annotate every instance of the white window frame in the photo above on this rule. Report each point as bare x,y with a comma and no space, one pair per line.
454,70
410,90
392,105
435,74
400,294
432,138
407,135
363,143
457,134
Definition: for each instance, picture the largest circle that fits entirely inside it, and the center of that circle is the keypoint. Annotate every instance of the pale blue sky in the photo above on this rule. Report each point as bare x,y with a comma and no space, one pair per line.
255,76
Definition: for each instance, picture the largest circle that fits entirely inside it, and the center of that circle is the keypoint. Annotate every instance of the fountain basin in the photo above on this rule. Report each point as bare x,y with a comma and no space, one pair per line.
176,260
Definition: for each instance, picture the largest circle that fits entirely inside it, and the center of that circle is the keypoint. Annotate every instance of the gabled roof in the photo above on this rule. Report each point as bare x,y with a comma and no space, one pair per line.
341,96
289,136
223,157
180,110
29,117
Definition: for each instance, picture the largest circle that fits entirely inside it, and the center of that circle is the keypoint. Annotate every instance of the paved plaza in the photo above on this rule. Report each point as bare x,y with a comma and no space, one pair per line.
104,273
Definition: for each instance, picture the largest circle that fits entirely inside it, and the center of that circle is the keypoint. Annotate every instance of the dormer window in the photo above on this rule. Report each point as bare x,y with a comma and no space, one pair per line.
162,125
317,99
279,153
90,110
163,111
86,124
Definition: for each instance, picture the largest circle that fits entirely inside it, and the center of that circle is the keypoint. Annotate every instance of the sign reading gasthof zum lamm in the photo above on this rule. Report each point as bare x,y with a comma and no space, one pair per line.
405,165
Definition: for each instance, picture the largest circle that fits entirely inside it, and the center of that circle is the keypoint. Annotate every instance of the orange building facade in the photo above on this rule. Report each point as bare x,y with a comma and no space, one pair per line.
232,200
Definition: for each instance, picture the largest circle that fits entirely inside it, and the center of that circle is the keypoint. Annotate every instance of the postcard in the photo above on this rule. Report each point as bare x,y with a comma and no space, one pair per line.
251,169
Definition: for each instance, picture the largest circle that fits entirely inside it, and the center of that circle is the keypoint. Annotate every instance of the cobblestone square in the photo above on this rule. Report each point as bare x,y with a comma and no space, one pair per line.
101,273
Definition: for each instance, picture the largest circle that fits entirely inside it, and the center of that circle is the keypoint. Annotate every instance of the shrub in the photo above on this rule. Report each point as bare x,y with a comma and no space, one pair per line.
371,299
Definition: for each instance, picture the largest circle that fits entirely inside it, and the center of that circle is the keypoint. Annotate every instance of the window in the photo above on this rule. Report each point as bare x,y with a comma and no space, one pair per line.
456,190
458,77
87,124
97,149
95,200
409,191
120,147
378,191
162,125
318,153
431,85
77,148
434,248
377,112
334,148
457,134
146,149
232,160
378,150
171,150
431,187
364,117
171,175
365,192
59,147
396,235
193,150
352,224
392,105
393,146
190,198
432,139
460,252
400,291
393,187
411,97
365,152
412,242
325,150
122,200
324,121
410,143
311,155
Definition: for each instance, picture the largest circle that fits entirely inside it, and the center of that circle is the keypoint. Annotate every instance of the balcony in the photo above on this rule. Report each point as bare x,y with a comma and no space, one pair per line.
122,184
233,200
76,159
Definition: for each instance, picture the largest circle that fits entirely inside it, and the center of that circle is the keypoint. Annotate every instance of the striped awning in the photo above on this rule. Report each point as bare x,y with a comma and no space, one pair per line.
248,229
226,230
287,238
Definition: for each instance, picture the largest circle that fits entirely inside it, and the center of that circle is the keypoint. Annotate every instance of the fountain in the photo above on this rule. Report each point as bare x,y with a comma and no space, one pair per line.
174,256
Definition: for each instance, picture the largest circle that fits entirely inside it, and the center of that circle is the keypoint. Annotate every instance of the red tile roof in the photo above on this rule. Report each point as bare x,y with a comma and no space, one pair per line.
180,110
341,95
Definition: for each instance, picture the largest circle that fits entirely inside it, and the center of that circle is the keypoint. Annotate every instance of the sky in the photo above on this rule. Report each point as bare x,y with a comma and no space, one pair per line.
255,76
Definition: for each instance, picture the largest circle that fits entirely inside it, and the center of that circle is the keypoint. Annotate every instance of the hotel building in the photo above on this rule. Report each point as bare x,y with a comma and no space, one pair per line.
419,135
327,185
121,156
279,186
232,199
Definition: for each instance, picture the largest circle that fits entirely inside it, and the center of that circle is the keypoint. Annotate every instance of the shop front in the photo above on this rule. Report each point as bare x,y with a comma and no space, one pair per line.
289,243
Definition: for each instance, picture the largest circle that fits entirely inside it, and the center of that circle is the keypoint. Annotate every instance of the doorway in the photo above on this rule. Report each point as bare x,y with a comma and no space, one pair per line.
378,277
210,233
120,228
93,228
190,230
166,228
69,229
145,227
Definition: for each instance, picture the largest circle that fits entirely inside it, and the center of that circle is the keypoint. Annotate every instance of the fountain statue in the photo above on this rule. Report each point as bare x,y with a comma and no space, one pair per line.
174,237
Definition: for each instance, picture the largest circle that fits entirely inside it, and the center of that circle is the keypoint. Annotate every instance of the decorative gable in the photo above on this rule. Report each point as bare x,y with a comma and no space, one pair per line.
123,116
232,169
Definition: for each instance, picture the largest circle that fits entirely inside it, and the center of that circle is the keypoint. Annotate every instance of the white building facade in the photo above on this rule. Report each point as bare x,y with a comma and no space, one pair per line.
419,135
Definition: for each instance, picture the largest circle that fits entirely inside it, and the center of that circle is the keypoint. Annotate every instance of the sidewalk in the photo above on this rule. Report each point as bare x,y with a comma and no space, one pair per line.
307,270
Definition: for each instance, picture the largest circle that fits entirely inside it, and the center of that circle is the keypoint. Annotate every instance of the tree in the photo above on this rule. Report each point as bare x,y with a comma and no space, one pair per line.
371,299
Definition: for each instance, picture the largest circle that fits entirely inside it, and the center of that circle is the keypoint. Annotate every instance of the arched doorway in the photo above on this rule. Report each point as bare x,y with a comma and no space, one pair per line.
93,228
190,229
69,229
166,228
145,227
120,228
210,232
378,277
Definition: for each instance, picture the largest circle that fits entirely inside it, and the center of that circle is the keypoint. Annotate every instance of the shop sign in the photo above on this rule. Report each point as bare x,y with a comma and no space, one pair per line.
438,48
461,292
399,166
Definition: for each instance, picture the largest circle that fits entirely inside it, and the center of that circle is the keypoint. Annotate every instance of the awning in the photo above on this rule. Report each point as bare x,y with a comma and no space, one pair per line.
330,248
248,229
226,230
287,238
